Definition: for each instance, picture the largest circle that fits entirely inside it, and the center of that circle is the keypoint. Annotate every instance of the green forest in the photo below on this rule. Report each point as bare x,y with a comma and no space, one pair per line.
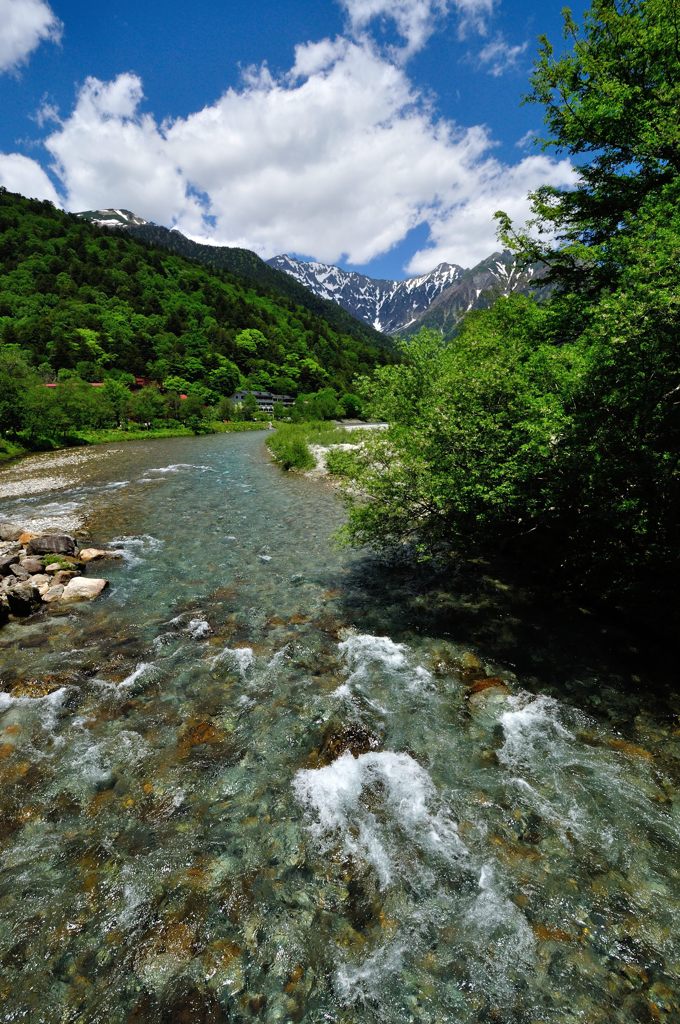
549,433
80,305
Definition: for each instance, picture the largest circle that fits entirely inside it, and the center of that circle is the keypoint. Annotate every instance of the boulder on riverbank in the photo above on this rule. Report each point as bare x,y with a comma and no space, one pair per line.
51,544
37,570
80,588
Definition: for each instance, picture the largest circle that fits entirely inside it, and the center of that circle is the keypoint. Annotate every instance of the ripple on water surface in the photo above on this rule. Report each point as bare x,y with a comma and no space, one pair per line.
224,798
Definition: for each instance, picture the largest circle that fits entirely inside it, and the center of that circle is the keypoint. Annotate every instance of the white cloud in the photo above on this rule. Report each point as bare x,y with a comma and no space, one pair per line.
107,154
19,173
474,16
526,141
24,25
465,232
337,159
498,56
415,20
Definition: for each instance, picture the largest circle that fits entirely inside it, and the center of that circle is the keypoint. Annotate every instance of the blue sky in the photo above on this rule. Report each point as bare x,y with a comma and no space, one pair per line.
377,134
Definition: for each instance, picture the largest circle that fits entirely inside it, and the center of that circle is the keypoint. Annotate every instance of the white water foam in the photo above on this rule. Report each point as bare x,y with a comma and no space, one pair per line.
370,804
500,930
364,654
140,671
363,982
240,658
533,733
177,467
198,628
136,548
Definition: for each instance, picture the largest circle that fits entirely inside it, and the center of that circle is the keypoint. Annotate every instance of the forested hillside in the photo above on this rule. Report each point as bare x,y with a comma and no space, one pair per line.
79,305
247,266
75,297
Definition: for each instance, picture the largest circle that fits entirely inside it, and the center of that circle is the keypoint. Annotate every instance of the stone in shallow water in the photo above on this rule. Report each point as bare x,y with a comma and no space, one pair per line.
94,554
36,688
53,594
81,588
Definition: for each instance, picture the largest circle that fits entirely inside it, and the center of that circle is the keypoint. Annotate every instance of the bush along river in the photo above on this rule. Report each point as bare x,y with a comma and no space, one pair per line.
260,778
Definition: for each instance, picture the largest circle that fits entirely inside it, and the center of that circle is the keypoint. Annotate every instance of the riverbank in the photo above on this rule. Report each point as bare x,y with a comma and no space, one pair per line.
9,451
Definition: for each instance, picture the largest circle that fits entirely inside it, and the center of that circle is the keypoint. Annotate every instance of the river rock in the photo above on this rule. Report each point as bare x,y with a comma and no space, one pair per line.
64,576
51,544
26,536
94,554
31,564
8,531
17,570
23,599
82,588
4,611
53,594
7,561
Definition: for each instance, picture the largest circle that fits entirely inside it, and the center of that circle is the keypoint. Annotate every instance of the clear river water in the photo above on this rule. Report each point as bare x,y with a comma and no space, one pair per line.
263,778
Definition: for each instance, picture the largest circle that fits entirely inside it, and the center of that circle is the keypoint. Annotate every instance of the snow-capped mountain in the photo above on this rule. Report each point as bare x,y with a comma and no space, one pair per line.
113,218
389,306
478,288
438,299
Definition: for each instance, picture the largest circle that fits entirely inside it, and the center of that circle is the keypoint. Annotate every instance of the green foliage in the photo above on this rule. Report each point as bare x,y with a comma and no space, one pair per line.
612,101
290,443
476,429
79,304
551,432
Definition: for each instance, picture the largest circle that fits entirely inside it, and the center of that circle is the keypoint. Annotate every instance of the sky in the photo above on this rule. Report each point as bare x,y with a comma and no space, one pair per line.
379,135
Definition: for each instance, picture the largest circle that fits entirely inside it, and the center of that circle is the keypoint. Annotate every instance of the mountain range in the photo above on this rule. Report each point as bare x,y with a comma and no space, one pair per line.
437,300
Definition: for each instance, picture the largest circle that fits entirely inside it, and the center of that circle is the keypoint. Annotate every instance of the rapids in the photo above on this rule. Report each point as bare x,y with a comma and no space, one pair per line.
266,779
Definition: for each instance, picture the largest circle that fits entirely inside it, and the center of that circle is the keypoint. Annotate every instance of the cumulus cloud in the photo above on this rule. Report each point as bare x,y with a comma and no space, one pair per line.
19,173
25,24
338,159
499,56
464,232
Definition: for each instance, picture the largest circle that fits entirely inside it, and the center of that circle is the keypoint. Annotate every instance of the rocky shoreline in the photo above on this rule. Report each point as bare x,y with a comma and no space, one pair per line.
42,569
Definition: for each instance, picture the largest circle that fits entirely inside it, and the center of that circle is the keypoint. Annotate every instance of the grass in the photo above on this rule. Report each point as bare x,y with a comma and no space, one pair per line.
9,451
111,436
290,443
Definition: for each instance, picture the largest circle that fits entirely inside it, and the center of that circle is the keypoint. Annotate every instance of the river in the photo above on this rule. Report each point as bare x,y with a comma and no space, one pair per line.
267,780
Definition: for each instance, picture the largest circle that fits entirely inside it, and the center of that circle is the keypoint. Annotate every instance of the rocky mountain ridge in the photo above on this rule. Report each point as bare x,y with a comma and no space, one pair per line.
438,299
389,306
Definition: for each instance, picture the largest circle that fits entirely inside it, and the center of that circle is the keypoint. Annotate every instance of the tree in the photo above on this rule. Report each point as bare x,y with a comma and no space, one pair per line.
612,102
476,431
553,431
